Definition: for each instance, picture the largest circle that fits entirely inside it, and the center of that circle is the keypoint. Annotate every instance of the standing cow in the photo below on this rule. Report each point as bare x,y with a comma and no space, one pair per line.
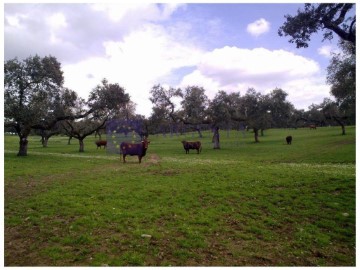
192,145
134,149
101,143
288,139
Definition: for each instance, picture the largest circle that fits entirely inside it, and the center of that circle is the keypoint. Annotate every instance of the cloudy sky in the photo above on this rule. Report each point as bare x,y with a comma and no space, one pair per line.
227,47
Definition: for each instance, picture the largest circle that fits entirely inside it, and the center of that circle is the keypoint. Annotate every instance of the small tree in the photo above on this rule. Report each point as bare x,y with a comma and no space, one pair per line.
256,110
194,106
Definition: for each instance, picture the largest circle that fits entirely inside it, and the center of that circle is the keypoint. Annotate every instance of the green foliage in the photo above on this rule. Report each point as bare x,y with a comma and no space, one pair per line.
333,18
246,204
31,91
342,77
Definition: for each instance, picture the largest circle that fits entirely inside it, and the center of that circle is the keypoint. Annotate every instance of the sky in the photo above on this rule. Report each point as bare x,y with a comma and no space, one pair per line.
229,47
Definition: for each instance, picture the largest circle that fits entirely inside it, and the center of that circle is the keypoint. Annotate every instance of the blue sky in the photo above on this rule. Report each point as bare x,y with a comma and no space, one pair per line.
227,47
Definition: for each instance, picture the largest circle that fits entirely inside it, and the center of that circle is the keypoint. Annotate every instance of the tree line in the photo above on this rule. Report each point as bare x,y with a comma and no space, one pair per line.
35,99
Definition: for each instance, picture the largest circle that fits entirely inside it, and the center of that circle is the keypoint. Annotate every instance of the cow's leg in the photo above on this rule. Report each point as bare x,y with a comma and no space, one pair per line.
140,159
124,158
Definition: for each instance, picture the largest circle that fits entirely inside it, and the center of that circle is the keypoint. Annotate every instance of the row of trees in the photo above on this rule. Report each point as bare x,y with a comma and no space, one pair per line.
35,98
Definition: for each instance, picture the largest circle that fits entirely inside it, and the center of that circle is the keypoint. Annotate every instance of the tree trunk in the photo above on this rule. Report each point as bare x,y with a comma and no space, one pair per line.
256,135
340,123
216,138
343,129
81,142
69,140
45,141
199,131
23,147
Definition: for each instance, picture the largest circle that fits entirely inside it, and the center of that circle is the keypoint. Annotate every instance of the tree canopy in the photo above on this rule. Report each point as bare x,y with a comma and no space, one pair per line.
333,18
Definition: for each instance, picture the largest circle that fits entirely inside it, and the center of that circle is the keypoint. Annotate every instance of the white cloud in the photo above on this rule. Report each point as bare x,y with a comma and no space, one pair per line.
325,51
137,62
328,50
234,69
138,11
258,27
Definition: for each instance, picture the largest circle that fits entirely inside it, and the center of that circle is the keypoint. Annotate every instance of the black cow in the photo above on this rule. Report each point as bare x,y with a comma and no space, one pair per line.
192,145
288,139
134,149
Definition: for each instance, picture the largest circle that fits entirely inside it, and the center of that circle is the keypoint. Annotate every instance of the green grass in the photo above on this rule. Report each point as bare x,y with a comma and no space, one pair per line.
244,205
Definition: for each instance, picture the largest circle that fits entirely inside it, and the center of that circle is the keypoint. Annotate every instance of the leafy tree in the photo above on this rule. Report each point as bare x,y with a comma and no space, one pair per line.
194,106
164,99
254,110
223,111
314,115
279,108
342,77
333,18
164,111
331,111
47,134
223,108
108,99
105,101
32,96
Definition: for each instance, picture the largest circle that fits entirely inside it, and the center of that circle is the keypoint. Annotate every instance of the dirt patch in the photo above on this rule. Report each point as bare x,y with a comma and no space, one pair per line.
153,159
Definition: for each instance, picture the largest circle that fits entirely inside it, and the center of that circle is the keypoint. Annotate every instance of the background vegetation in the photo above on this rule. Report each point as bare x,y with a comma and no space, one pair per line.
245,204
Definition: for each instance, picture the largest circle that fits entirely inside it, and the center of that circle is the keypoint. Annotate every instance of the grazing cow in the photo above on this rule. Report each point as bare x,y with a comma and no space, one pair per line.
100,143
134,149
288,139
312,126
192,145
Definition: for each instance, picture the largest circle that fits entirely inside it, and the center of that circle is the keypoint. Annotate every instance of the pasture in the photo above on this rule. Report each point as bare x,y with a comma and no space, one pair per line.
247,204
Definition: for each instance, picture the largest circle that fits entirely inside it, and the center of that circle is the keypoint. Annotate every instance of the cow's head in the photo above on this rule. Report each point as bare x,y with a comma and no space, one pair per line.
145,143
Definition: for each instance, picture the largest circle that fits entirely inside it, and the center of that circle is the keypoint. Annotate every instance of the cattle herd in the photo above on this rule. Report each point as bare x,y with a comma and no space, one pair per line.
139,149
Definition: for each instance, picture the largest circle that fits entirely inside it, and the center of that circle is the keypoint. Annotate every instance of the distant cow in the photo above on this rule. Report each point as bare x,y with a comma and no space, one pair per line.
192,145
100,143
312,126
288,139
134,149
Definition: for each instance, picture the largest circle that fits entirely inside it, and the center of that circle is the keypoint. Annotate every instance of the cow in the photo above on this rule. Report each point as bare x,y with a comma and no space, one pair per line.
312,126
100,143
288,139
192,145
134,149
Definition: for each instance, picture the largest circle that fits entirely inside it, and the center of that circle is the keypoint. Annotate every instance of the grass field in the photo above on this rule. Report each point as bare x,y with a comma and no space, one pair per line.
246,204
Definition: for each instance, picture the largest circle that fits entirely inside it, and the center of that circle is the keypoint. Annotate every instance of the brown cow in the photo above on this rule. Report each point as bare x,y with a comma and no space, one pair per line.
100,143
134,149
312,126
192,145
